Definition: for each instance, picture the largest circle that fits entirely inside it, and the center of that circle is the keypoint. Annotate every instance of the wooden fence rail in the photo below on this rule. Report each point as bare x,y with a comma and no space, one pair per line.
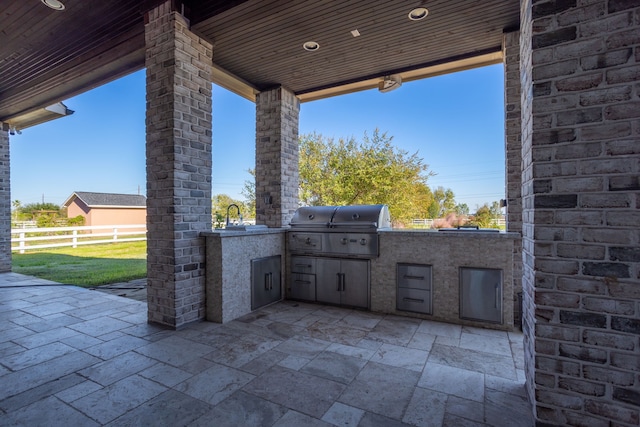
29,238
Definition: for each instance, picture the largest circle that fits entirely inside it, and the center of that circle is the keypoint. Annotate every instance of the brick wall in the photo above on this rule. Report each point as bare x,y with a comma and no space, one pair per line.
581,201
178,166
513,156
277,179
5,202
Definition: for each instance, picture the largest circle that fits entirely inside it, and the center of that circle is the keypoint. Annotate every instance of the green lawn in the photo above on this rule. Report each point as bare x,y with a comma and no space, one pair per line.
86,266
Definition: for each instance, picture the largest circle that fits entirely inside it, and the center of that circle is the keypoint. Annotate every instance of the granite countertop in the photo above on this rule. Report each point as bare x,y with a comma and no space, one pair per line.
249,231
453,232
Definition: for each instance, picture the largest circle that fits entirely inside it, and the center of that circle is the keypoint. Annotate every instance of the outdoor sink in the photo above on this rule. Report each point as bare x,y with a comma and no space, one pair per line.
245,227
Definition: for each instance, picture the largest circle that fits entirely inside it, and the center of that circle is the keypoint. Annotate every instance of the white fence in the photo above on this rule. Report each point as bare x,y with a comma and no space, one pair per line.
30,238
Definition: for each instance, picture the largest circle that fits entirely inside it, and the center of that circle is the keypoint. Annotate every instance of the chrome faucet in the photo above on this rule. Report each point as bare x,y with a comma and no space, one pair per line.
239,214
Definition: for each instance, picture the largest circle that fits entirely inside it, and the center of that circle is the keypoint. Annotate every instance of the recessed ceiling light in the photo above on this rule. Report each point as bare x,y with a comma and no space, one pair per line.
53,4
355,33
311,46
418,13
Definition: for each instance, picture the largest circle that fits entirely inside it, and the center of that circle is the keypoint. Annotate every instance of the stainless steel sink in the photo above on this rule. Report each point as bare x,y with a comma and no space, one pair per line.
245,227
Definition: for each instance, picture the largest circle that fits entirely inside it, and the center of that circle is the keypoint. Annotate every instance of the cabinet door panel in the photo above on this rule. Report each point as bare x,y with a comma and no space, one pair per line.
328,280
265,278
355,289
481,294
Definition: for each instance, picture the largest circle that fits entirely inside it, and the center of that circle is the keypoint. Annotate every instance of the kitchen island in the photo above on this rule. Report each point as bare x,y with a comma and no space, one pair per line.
445,253
440,258
230,256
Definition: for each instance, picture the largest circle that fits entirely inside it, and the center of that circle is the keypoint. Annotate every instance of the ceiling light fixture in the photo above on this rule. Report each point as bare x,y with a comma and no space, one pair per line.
310,46
390,83
418,13
355,33
53,4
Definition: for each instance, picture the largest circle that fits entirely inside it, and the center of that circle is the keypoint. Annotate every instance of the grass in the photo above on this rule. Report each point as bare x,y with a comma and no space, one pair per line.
86,266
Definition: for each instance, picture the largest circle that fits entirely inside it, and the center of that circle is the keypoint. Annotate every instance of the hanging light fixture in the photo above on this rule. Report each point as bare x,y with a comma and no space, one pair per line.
390,83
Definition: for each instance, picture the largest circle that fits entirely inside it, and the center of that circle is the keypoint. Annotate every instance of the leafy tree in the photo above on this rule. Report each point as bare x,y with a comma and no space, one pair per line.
443,203
34,211
462,209
249,193
373,171
16,208
486,215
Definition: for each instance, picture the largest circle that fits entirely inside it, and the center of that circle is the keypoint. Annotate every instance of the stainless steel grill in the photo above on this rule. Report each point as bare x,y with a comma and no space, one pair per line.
345,231
331,248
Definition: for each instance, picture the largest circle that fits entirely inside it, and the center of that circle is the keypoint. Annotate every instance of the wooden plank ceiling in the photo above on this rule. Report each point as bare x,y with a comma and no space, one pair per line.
47,56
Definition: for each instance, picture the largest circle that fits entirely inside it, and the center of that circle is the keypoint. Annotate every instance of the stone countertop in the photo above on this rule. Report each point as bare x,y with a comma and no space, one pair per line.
237,233
456,233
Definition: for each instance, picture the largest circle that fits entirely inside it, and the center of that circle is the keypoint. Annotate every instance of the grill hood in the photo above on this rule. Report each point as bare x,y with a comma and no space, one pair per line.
342,218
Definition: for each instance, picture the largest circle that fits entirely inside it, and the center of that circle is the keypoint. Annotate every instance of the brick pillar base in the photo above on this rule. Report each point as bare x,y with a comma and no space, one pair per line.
5,202
178,166
277,179
513,157
581,145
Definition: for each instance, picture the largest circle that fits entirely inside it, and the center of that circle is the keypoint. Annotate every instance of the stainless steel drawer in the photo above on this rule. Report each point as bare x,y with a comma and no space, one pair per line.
301,264
414,276
416,300
303,287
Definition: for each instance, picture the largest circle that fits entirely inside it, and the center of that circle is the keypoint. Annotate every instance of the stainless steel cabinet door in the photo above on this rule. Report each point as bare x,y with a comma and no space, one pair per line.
265,280
355,283
343,282
328,280
481,294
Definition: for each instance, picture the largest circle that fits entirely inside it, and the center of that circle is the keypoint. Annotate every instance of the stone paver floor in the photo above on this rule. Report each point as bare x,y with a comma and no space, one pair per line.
74,357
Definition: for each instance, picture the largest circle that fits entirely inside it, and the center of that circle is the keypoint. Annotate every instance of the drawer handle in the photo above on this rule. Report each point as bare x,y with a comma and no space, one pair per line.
303,265
303,282
413,300
414,277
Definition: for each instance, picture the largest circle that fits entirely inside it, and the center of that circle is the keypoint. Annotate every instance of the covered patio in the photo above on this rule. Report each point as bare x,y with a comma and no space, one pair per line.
572,181
71,356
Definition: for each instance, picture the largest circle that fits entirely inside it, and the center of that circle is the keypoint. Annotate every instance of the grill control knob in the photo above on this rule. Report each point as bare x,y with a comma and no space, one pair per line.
344,240
363,241
308,241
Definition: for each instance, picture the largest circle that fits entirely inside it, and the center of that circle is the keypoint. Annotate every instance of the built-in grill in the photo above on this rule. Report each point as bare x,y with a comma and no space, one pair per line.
348,231
330,249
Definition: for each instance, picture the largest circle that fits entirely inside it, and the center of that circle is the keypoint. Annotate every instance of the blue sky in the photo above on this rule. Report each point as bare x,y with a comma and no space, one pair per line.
455,122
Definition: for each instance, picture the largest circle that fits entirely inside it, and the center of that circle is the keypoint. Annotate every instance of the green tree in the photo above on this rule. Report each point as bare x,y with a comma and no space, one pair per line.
249,193
372,171
486,215
16,208
45,214
462,209
443,203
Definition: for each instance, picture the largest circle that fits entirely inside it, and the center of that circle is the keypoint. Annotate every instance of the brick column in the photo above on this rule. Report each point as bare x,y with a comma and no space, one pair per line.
513,157
581,200
277,178
178,166
5,201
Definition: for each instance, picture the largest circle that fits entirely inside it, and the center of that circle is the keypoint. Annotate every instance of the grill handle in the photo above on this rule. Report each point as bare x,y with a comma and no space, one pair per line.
406,276
355,224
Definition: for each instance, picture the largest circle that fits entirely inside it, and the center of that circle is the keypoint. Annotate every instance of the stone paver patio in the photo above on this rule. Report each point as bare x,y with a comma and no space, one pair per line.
75,357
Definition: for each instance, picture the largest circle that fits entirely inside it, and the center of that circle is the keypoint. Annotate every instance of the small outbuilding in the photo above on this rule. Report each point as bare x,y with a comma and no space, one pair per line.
107,208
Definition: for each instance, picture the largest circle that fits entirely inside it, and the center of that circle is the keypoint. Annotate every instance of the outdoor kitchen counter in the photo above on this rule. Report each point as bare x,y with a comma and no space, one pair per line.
445,252
228,268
